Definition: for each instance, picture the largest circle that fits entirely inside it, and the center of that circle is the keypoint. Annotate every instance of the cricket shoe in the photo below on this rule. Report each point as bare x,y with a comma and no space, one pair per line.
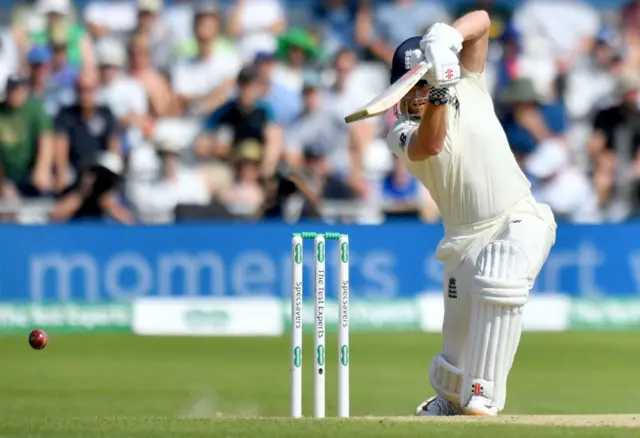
437,407
480,406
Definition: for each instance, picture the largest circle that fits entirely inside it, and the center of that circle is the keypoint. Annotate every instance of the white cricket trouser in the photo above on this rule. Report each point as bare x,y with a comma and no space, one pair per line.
528,225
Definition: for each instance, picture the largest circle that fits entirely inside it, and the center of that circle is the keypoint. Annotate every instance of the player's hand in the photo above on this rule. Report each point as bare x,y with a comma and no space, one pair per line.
444,34
445,66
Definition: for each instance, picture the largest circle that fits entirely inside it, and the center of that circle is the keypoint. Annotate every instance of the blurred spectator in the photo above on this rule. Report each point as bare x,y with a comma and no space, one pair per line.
254,24
615,140
383,29
26,149
631,16
508,66
592,82
26,18
499,12
242,118
8,195
10,62
204,83
560,185
591,86
313,126
178,16
557,32
205,18
286,103
336,21
405,197
177,184
288,197
297,50
83,131
245,195
42,84
350,141
95,193
63,73
39,60
110,17
162,100
125,96
159,35
316,172
61,29
528,120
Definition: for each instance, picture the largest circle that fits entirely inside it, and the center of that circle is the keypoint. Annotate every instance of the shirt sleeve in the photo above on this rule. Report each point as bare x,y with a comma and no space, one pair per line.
399,137
216,118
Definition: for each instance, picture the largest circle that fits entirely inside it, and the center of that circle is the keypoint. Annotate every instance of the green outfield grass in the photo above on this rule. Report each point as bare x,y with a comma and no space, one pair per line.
126,386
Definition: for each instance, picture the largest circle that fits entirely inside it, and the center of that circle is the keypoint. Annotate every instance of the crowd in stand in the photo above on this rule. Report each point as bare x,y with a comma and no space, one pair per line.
152,111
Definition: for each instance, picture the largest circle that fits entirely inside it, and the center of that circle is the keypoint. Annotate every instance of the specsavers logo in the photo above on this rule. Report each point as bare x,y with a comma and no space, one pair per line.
201,318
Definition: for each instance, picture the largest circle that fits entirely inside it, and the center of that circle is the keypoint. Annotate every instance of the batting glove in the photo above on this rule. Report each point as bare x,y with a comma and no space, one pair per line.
445,66
442,34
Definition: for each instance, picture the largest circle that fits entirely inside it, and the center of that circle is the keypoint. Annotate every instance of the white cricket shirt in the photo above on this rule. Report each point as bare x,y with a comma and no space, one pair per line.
475,178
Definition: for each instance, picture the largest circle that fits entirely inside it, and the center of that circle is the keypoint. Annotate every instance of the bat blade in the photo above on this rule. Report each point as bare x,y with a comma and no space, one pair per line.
392,95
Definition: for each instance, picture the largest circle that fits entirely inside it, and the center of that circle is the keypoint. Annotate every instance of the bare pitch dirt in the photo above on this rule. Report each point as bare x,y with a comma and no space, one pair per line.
597,420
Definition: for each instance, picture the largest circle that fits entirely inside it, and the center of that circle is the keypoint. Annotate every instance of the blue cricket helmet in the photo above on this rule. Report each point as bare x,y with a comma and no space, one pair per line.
400,63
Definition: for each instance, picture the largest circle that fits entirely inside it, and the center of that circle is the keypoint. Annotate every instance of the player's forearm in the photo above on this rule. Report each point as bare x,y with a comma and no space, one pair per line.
473,25
428,140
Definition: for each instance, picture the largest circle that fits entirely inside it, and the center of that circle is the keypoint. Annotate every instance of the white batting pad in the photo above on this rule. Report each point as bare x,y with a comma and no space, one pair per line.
446,379
498,297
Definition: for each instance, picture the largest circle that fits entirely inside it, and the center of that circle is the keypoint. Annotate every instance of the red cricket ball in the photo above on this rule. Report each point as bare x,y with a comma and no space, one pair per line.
38,339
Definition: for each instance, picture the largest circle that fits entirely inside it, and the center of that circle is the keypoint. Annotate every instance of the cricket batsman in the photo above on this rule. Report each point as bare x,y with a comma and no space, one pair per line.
497,237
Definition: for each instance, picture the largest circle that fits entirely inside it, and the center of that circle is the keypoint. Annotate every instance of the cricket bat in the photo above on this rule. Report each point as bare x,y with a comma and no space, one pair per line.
392,95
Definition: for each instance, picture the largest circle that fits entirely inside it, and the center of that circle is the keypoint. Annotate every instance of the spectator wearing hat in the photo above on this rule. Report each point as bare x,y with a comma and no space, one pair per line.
26,150
177,184
124,95
528,121
317,173
162,100
42,84
111,17
60,26
245,195
255,25
297,51
242,118
83,131
205,82
160,38
286,103
39,60
95,194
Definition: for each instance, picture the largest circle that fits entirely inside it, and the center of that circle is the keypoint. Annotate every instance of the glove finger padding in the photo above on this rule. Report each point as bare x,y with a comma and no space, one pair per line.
445,66
444,34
